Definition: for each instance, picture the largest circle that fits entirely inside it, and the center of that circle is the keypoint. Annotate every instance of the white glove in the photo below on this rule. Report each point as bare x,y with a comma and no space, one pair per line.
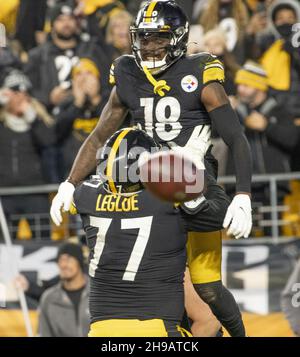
63,198
238,217
197,146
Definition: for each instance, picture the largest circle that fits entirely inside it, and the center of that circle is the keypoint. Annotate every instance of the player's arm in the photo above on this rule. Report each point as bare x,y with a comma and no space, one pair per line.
226,122
238,218
110,120
207,213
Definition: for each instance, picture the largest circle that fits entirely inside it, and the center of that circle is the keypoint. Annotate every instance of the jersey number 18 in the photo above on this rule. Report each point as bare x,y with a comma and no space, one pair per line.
167,113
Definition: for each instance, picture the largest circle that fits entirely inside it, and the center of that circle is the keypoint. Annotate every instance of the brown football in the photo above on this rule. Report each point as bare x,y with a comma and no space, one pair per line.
171,177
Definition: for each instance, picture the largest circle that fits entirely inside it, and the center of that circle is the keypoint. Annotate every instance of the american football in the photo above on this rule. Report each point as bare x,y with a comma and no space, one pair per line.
171,177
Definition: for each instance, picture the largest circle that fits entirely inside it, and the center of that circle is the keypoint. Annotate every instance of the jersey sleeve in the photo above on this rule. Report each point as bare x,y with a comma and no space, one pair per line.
210,214
116,71
212,70
118,77
84,197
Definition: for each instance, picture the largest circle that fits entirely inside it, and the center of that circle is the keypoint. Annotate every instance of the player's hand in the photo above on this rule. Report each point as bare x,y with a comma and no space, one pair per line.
63,199
238,218
194,151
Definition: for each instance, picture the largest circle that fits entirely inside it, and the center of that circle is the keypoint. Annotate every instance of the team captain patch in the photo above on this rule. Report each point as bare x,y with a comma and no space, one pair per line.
189,83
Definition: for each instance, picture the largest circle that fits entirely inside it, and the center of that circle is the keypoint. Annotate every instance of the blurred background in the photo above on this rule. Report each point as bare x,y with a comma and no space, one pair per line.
54,83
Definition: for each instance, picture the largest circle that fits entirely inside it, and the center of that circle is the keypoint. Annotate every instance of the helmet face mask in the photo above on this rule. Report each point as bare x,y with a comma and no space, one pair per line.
168,21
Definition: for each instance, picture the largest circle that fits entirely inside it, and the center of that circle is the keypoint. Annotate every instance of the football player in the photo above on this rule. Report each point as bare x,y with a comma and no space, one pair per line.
175,98
137,245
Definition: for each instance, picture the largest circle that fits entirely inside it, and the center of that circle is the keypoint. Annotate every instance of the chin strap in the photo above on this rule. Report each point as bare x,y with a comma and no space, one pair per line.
159,86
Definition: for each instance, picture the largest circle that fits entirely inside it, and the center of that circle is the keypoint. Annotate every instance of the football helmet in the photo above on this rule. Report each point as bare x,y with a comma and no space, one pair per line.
118,160
162,20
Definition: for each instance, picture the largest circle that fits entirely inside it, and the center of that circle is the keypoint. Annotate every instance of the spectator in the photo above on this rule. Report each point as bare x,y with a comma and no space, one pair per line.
117,34
50,65
64,308
79,114
232,17
26,132
290,300
279,58
268,126
258,21
98,13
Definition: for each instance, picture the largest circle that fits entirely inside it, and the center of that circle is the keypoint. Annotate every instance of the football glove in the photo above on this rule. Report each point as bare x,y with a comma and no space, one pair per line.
238,218
63,199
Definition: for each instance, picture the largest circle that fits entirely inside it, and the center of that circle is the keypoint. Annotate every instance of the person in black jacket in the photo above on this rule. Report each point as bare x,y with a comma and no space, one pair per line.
269,126
26,133
78,114
50,65
278,51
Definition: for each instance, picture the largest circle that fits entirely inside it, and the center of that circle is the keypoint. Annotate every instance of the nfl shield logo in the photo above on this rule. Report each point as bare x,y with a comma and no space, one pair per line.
189,83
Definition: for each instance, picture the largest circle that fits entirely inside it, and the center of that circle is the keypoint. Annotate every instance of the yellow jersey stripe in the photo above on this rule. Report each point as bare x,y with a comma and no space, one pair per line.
150,10
111,158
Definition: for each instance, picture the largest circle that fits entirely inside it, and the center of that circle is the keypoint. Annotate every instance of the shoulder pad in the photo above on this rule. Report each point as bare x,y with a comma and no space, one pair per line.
194,206
119,63
201,57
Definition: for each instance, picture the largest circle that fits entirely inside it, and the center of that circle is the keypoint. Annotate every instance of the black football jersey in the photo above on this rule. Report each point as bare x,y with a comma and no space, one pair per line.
177,116
138,257
138,250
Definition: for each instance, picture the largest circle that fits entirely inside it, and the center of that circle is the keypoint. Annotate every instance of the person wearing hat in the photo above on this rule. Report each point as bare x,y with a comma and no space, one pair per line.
26,134
63,310
50,65
78,115
268,126
278,51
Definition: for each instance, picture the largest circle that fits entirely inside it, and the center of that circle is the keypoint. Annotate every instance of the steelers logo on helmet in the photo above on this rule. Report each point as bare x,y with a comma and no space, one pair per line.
117,163
189,83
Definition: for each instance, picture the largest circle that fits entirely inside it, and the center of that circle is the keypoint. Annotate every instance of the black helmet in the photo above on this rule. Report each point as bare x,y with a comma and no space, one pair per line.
163,18
118,160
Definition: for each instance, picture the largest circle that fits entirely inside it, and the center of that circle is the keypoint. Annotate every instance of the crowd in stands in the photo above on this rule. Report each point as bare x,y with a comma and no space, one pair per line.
54,82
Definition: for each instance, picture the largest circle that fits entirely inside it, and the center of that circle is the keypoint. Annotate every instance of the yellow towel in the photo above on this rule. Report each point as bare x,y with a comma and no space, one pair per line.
277,64
8,14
